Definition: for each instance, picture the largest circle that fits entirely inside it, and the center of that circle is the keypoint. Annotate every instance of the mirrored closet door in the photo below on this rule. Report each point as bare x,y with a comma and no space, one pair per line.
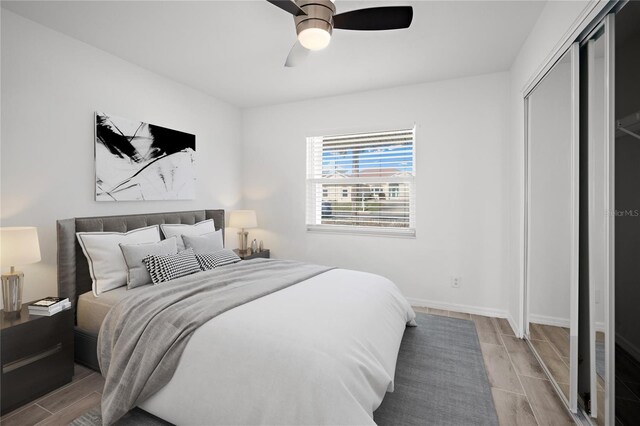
582,220
551,282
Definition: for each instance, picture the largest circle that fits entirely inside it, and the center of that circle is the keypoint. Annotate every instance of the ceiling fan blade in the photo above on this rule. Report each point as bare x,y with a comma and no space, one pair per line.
375,19
288,6
297,55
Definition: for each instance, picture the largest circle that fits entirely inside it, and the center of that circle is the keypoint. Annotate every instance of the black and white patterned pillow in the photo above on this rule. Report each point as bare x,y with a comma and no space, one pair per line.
166,268
216,259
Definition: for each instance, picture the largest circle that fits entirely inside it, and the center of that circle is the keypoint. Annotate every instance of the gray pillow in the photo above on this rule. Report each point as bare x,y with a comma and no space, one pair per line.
206,243
134,254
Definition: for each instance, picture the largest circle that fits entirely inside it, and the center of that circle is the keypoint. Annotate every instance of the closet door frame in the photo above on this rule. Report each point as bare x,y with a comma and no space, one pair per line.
575,227
607,26
574,53
590,46
610,162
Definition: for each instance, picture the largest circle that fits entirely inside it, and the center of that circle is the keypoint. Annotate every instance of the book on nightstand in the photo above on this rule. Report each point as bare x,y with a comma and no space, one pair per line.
49,306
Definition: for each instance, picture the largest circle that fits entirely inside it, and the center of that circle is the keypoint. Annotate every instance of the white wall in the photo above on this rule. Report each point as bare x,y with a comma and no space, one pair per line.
51,86
554,24
460,139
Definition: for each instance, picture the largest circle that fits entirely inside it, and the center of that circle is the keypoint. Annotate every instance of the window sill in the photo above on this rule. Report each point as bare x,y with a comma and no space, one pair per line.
363,230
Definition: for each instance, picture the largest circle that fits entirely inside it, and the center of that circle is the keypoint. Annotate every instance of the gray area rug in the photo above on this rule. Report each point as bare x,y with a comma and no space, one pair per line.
440,377
440,380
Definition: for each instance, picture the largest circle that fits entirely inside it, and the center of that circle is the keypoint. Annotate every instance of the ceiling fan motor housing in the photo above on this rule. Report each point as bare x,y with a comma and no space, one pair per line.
319,14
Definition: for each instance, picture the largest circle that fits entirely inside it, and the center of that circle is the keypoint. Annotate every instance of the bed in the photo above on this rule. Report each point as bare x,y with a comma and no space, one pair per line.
322,351
73,272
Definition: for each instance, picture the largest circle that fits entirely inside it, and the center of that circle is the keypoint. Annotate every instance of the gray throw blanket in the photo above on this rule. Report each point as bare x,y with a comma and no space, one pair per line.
142,337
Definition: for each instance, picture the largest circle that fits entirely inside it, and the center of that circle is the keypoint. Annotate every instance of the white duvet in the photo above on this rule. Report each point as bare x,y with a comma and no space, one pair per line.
320,352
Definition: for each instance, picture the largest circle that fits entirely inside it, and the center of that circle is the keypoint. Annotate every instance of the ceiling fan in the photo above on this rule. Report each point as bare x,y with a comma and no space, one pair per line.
316,19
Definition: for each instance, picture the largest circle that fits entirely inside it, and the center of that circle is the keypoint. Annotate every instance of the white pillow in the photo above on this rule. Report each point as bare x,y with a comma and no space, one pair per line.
106,263
178,230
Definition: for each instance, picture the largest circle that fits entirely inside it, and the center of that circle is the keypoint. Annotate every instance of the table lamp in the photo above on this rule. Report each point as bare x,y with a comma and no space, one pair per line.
18,246
243,219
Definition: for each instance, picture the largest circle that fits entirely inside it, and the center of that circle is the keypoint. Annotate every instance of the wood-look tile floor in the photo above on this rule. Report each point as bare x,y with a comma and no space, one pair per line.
520,390
522,394
62,405
552,345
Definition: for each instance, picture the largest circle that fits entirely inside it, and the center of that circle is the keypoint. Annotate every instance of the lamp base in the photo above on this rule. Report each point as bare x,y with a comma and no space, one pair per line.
242,241
12,291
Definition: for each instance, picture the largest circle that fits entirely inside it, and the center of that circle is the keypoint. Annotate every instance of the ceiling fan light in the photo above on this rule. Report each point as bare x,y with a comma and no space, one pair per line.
314,38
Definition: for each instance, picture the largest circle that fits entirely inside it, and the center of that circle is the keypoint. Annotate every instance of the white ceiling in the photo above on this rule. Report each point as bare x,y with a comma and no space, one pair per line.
235,50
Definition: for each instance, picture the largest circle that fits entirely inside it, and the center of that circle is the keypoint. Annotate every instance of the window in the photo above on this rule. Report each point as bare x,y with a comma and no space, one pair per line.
362,182
394,190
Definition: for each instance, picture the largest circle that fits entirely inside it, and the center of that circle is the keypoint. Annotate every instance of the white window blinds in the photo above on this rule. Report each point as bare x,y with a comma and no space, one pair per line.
362,182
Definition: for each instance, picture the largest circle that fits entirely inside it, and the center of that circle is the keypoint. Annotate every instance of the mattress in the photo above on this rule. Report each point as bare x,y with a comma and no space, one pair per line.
92,309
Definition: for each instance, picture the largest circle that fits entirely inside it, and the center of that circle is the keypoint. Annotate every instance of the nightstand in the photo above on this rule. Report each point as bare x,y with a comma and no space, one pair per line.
36,355
248,255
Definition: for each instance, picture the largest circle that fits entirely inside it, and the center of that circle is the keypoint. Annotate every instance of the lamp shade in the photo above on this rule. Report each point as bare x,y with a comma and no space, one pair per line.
19,246
243,219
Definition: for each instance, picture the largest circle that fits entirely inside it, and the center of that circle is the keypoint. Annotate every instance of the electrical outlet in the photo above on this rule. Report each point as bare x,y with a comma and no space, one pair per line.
456,282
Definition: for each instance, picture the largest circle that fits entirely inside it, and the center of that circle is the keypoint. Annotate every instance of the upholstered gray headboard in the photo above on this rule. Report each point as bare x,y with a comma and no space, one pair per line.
73,269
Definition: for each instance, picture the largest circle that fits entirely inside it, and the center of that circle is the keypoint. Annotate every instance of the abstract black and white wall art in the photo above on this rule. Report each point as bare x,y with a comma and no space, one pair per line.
141,161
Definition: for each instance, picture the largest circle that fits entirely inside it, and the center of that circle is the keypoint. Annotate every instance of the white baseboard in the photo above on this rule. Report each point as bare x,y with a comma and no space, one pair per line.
467,309
548,320
558,322
625,344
